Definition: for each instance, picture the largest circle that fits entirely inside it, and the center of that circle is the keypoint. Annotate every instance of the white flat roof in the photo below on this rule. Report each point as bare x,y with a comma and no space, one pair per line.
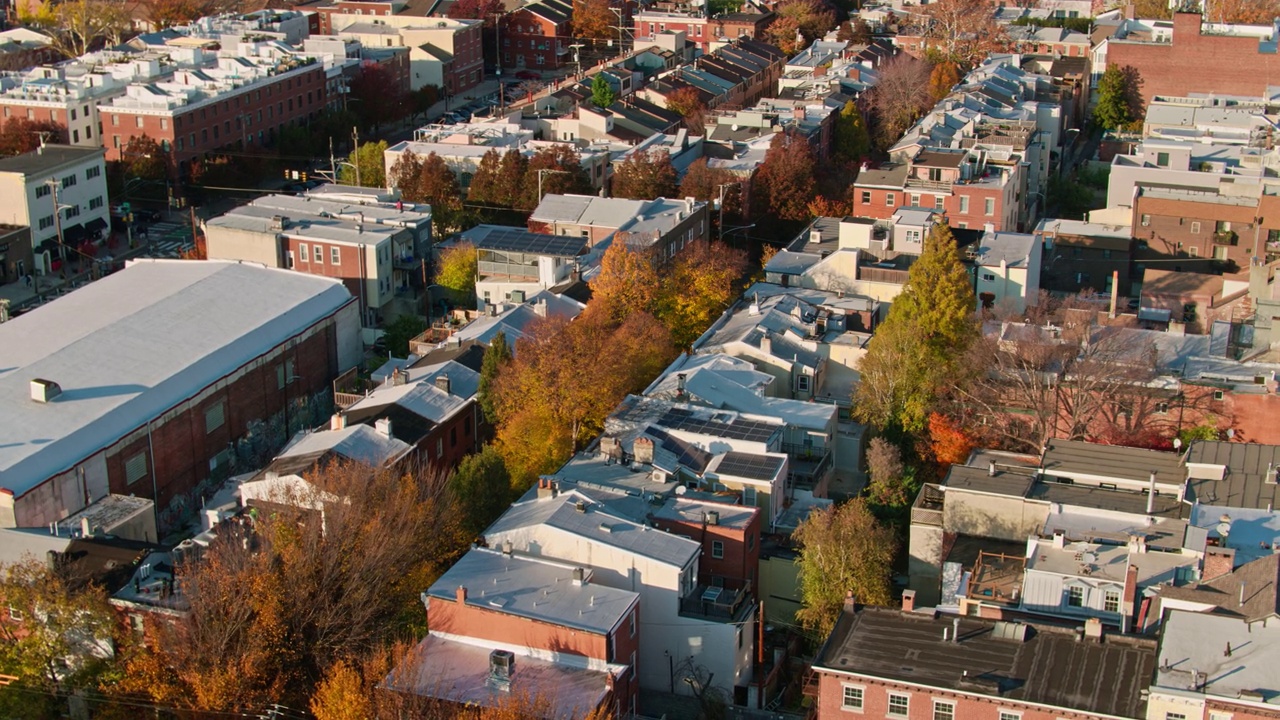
132,345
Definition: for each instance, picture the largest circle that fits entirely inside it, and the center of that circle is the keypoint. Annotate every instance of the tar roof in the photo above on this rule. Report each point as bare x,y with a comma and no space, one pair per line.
1015,484
561,513
1068,458
47,159
514,239
1246,483
1013,249
534,589
1260,580
1049,667
683,509
134,344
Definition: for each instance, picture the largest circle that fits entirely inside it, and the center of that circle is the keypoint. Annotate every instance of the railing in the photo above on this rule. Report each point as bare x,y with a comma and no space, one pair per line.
488,267
715,602
349,388
1225,237
925,516
929,184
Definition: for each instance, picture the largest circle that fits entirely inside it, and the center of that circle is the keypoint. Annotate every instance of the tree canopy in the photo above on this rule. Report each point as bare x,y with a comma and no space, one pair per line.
369,158
19,135
912,354
645,175
899,98
844,549
785,181
851,142
482,488
687,103
602,94
1119,98
496,357
429,180
456,271
593,19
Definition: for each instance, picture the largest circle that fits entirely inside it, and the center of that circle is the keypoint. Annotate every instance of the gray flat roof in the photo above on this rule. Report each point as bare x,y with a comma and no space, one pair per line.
258,218
48,158
132,345
1049,668
1199,642
1245,484
535,589
1073,457
1013,484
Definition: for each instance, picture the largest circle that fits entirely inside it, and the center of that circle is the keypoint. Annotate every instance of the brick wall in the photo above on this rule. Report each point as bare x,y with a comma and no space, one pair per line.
965,207
920,702
1171,226
522,35
446,445
740,550
1195,63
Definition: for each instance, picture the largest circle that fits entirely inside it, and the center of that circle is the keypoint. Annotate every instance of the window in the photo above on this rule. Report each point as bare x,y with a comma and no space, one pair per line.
751,541
633,665
215,417
1219,715
288,259
453,436
944,710
1111,601
439,448
1193,251
1162,408
93,172
939,203
43,190
1106,254
1162,159
749,496
15,614
46,222
1195,228
717,549
935,174
68,181
1008,715
866,197
73,211
1075,597
899,704
1146,220
989,206
335,256
1217,395
135,468
802,383
988,277
888,199
302,252
852,698
632,624
915,200
317,254
95,203
1175,716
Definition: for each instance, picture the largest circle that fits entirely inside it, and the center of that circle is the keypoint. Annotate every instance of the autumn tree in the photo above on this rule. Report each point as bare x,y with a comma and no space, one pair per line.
628,279
687,102
900,97
592,19
56,636
784,34
785,181
1152,9
813,18
484,181
602,94
567,376
275,601
699,284
645,175
378,97
481,486
843,549
167,13
705,183
1011,386
456,271
945,76
823,206
1119,98
496,357
75,27
561,173
888,484
1242,12
429,180
964,31
850,142
512,174
949,443
912,356
368,158
19,135
474,9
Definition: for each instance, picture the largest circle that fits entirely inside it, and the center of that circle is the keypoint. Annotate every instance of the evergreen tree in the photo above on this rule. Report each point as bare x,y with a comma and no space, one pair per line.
481,486
602,93
851,141
914,352
496,357
1119,102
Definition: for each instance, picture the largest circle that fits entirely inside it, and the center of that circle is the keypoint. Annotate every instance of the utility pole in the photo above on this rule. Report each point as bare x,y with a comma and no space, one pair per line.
541,171
57,218
333,164
355,152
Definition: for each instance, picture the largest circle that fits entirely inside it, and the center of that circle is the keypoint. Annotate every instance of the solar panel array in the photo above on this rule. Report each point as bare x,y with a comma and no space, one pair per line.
746,465
523,241
738,429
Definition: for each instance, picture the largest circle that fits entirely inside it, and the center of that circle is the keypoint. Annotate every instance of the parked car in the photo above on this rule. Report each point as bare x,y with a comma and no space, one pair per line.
529,75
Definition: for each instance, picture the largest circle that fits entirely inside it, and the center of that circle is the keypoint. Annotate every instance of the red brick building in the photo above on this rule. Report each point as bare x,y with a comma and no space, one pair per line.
1190,223
703,31
891,663
537,36
326,9
248,104
970,195
501,623
729,534
146,382
1198,62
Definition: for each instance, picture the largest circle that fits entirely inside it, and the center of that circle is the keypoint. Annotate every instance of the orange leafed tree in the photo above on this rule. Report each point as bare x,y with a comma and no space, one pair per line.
699,284
949,443
627,282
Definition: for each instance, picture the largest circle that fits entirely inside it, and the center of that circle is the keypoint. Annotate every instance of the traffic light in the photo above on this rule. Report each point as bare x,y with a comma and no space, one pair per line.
288,174
303,176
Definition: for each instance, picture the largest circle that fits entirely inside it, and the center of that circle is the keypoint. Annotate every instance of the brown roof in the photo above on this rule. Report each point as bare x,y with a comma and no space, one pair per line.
1260,580
1048,666
931,158
1173,282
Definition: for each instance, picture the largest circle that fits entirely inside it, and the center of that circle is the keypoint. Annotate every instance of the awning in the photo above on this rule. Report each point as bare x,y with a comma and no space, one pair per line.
1154,314
95,226
72,233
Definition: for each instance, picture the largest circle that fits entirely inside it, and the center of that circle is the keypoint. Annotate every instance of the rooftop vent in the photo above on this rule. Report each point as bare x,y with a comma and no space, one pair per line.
43,391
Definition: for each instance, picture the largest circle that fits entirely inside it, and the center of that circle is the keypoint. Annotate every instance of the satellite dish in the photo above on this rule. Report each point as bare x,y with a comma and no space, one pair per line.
681,490
1177,443
1224,529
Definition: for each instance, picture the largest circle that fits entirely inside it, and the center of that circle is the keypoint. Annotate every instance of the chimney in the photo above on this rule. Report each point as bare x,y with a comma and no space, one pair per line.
1093,629
383,426
713,517
43,391
86,528
680,385
988,228
442,382
462,595
1218,561
849,604
991,469
643,447
955,630
338,422
1115,294
1242,587
908,601
1151,491
1138,543
540,307
797,112
579,576
1059,539
546,488
609,446
508,547
766,343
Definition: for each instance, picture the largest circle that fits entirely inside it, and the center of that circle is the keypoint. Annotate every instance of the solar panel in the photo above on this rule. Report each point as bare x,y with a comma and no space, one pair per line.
737,429
523,241
746,465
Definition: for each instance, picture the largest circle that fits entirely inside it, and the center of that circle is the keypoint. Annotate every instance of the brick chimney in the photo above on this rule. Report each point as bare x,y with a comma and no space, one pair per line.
1218,561
643,447
462,595
848,601
338,422
908,601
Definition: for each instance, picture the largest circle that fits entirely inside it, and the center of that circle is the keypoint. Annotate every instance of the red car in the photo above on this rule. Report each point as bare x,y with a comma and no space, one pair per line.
529,75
